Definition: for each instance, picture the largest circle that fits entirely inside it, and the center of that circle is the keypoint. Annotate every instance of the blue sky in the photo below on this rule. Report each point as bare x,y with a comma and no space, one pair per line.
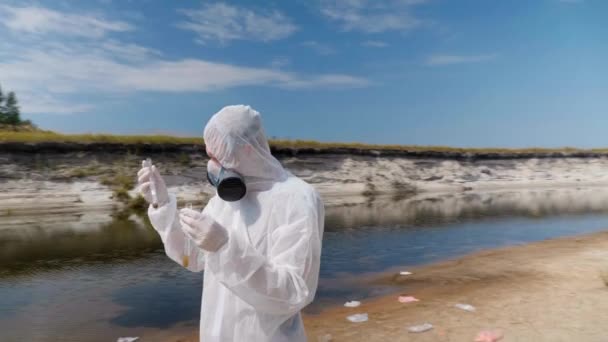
429,72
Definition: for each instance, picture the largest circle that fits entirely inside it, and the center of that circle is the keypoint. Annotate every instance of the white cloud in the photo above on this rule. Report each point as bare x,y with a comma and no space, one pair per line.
52,73
327,80
374,43
436,60
280,62
45,81
39,20
128,52
43,103
321,49
224,23
372,16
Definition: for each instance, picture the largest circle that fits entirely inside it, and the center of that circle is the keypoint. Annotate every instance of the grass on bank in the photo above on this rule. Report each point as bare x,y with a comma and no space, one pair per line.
46,136
120,184
418,148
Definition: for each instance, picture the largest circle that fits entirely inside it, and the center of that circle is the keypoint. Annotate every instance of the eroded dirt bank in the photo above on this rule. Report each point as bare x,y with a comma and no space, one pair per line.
63,179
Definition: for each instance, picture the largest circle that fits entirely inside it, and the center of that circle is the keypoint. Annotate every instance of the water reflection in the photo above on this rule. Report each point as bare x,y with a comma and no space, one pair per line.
39,243
99,302
355,252
434,209
93,276
50,241
179,296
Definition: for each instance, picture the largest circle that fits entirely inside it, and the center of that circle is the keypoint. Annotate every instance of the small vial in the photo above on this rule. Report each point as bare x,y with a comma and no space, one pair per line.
186,256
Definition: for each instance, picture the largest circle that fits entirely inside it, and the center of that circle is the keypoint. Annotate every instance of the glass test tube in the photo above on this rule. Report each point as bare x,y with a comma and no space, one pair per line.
186,256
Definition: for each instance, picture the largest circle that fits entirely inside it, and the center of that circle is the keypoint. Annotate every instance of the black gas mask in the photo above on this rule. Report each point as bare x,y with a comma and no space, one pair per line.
229,184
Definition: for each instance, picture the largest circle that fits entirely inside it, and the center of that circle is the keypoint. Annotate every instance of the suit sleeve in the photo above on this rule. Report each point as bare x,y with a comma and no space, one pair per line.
165,221
284,281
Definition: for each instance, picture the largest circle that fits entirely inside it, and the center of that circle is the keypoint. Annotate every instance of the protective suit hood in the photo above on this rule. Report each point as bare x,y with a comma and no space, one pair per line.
236,138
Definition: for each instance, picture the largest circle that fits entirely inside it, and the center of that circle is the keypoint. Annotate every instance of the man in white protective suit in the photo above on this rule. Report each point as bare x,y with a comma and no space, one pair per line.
258,239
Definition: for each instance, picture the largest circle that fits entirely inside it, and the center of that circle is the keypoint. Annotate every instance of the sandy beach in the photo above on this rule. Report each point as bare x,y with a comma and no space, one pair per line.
546,291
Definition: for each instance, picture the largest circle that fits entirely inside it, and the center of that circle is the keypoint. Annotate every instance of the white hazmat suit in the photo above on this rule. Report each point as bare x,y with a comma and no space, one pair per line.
260,254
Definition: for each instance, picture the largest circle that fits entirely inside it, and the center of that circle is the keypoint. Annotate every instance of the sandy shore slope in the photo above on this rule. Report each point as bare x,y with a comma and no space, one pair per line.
547,291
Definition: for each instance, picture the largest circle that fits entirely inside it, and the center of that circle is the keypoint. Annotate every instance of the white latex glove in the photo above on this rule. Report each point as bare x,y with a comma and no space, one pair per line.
151,174
203,230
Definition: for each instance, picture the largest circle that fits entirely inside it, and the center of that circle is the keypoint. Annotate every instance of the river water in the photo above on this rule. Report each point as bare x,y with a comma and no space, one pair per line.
94,277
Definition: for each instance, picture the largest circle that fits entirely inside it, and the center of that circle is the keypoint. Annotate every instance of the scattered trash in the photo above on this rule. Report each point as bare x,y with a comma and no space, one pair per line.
358,318
325,338
404,273
420,328
489,336
352,304
127,339
408,299
465,307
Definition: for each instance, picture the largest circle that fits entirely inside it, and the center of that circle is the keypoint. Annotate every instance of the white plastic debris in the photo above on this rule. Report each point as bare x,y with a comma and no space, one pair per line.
358,318
420,328
127,339
465,307
405,273
489,336
325,338
407,299
352,304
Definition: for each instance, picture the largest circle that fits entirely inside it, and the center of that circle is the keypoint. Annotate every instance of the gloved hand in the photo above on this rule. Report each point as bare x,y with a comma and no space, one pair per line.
203,230
147,175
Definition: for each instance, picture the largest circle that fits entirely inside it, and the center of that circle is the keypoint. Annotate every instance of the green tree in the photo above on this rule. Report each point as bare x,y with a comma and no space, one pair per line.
2,110
12,114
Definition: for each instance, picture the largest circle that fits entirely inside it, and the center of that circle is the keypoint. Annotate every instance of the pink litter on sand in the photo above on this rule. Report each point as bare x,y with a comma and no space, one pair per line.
408,299
489,336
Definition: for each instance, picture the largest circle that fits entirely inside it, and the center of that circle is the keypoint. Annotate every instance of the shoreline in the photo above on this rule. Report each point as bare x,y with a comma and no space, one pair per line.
544,291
